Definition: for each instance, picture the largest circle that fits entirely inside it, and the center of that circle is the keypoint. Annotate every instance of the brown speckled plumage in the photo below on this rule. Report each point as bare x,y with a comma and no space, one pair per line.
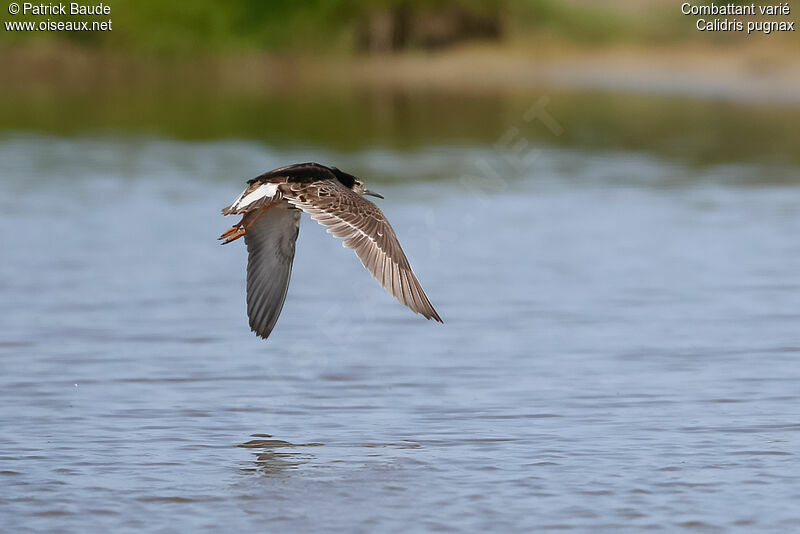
334,199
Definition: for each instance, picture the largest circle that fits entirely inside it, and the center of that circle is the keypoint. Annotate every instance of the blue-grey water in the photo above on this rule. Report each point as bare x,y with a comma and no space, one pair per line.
620,348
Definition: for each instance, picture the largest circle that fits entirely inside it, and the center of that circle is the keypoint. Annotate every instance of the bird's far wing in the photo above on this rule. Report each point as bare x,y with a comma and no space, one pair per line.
365,229
270,247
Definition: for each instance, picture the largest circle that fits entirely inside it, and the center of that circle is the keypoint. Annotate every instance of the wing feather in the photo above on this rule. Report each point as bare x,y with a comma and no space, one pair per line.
270,246
367,231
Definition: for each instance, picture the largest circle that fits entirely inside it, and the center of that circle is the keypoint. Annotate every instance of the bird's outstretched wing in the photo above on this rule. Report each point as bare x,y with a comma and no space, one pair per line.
270,246
365,229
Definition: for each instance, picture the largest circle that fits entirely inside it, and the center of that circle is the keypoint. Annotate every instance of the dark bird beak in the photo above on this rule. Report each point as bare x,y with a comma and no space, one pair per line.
372,193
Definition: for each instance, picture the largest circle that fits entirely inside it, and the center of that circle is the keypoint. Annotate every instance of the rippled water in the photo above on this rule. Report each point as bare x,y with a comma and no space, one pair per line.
620,347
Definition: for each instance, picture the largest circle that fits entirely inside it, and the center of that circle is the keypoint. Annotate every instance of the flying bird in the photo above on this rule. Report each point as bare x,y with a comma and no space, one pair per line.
271,205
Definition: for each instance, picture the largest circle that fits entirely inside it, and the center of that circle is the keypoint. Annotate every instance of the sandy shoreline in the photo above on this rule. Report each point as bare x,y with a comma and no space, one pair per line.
758,72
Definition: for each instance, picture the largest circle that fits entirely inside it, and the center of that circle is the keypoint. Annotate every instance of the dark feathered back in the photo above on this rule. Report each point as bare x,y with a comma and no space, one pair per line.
303,173
347,180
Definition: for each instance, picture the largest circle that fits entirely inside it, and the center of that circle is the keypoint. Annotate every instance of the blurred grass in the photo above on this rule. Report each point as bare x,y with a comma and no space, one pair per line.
156,27
198,26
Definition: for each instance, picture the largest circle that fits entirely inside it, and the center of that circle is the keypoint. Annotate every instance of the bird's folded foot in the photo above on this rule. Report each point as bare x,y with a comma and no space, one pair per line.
238,230
234,233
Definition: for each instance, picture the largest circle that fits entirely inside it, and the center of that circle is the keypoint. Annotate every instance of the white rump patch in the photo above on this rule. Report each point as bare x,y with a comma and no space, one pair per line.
265,190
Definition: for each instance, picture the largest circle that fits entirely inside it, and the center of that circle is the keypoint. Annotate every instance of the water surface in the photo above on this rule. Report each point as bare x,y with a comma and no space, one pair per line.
619,350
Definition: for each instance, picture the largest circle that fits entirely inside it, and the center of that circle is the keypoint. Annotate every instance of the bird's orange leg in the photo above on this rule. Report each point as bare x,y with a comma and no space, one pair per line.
238,230
234,233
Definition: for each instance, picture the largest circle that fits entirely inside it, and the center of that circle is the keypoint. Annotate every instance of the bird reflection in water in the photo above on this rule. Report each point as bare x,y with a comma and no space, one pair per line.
275,456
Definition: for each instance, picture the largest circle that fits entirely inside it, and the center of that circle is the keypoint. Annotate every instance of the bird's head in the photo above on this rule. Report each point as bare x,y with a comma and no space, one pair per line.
353,183
359,188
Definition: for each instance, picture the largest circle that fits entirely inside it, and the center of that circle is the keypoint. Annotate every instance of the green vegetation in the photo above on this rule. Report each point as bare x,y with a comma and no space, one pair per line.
153,27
